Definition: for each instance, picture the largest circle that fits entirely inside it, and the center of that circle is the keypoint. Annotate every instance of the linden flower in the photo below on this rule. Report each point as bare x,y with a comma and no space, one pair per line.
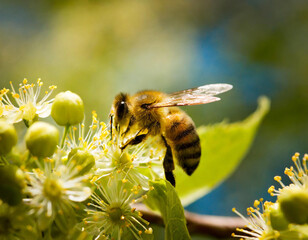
54,191
298,176
258,224
293,198
15,223
28,108
92,141
136,163
110,214
269,223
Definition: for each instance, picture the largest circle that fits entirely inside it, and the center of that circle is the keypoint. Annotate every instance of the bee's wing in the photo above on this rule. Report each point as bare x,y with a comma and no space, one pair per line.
200,95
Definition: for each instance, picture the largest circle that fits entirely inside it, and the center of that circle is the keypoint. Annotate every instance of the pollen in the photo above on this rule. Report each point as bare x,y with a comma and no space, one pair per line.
277,178
271,190
149,231
256,203
15,95
289,172
94,179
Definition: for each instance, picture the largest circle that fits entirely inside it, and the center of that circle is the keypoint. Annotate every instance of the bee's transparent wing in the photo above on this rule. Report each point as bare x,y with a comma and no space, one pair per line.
200,95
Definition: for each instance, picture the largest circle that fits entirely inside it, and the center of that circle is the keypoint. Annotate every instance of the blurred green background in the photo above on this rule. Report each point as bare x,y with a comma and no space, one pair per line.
98,48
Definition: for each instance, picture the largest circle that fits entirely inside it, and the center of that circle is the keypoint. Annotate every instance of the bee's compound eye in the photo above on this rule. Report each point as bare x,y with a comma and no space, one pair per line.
122,110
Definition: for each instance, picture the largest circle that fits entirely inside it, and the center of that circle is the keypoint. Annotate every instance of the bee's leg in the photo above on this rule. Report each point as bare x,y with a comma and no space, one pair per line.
168,164
135,141
138,139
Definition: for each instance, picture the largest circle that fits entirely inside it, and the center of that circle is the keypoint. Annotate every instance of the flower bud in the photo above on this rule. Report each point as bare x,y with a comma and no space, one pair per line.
294,204
8,137
11,184
277,218
67,109
42,139
82,159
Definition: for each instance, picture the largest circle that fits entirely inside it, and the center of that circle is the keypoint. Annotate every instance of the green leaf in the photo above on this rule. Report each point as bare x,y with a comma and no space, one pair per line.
223,146
165,199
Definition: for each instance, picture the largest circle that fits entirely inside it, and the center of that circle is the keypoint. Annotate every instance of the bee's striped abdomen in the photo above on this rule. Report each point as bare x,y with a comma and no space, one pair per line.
181,135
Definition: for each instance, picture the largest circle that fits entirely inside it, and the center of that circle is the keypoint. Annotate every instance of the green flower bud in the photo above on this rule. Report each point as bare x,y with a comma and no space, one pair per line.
294,204
8,137
11,184
277,218
82,159
67,109
42,139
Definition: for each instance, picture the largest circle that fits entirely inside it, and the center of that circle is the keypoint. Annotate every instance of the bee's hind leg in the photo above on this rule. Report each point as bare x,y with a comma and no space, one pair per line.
168,164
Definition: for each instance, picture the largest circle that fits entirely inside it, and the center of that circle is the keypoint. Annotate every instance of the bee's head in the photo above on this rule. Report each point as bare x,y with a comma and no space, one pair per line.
120,112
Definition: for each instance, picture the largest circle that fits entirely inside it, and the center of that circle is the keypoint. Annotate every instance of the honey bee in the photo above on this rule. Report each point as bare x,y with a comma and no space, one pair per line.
152,113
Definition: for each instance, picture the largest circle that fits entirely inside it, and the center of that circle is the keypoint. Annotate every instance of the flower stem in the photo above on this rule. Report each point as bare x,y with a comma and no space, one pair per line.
67,127
37,161
28,158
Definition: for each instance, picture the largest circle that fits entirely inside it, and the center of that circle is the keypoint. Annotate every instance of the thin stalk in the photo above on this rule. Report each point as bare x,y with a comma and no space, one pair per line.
67,127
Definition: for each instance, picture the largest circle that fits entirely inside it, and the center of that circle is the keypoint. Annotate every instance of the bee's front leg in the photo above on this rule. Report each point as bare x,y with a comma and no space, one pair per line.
135,141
